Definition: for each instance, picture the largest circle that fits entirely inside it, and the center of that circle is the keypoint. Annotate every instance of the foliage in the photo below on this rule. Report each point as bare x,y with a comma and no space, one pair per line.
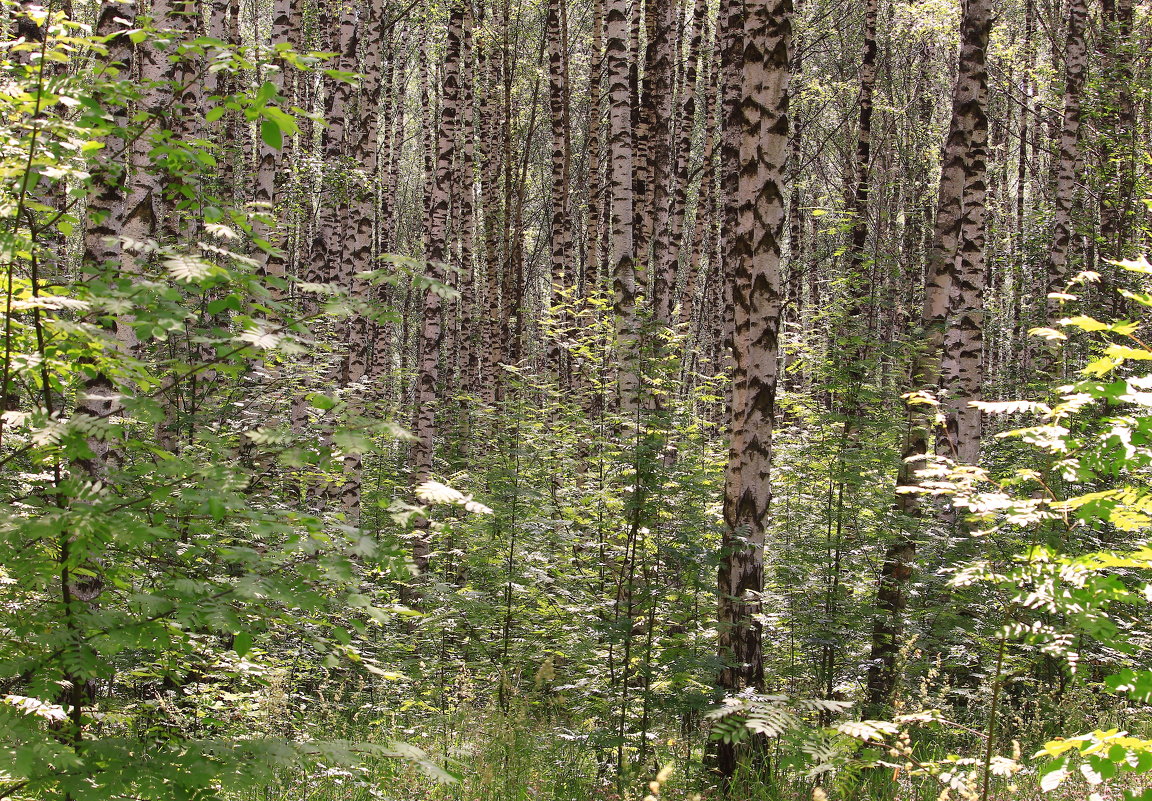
148,548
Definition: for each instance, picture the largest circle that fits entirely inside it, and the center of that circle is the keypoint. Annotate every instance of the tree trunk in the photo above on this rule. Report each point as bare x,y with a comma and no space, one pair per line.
860,311
270,159
620,184
364,137
757,304
1064,177
694,86
595,190
431,329
969,98
962,365
561,231
662,164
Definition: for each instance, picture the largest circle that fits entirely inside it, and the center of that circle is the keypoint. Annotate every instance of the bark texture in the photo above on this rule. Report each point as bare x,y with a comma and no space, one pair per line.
1064,167
622,255
967,131
757,303
432,322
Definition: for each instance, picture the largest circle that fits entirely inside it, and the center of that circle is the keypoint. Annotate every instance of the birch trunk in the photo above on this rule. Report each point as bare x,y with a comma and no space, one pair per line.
662,156
620,184
431,326
695,81
364,142
594,189
269,159
561,232
969,113
757,303
1064,177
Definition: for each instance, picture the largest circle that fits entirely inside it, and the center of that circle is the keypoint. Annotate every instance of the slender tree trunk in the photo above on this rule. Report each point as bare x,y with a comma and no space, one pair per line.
1019,252
861,289
1119,151
561,231
1064,177
386,343
704,226
662,158
757,301
694,85
642,116
493,149
794,296
470,341
595,190
729,35
621,186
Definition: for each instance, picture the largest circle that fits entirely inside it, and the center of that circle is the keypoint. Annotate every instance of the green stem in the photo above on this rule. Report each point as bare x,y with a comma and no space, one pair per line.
991,725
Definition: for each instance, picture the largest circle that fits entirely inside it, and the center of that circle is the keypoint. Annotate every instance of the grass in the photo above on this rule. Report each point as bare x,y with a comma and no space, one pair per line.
517,758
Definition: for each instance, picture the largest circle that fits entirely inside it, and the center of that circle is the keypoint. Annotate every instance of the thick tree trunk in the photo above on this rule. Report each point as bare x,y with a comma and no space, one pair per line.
432,323
143,203
962,365
220,84
99,396
106,206
757,303
362,211
969,115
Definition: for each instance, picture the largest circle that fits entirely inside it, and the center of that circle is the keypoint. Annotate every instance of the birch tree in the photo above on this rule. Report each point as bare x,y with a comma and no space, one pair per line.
767,37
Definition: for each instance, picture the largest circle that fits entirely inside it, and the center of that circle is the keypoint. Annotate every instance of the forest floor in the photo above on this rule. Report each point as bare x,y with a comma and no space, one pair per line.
496,759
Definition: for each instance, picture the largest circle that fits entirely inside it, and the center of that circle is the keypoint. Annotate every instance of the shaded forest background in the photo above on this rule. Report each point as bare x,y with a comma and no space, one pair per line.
580,399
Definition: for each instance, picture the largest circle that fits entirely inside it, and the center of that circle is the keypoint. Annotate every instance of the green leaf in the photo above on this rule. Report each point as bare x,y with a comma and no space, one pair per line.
1143,762
242,643
322,402
227,302
280,117
270,133
266,92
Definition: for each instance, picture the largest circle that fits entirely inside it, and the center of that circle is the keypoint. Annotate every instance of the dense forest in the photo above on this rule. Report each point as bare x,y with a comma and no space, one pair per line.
588,400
